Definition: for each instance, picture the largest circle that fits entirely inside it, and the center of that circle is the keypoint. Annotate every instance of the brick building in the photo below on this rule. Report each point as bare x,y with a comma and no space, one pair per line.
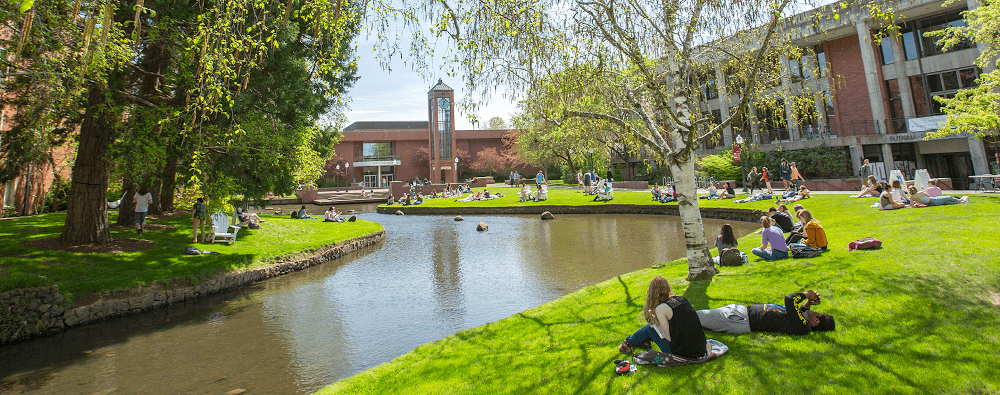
391,150
881,107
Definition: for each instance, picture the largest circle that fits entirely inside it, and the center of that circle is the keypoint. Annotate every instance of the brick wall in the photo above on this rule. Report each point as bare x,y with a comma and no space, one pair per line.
848,82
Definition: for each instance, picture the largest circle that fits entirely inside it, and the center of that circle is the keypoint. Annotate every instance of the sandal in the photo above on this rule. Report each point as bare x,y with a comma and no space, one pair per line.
625,348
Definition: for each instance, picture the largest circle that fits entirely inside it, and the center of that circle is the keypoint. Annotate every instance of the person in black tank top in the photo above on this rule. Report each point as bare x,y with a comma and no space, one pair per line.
671,322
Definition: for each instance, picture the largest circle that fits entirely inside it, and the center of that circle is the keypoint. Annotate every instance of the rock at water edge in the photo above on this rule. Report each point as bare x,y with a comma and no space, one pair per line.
398,212
482,227
459,218
547,215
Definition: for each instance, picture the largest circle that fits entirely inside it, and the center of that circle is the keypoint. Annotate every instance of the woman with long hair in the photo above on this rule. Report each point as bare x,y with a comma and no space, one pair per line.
813,234
726,239
142,199
671,322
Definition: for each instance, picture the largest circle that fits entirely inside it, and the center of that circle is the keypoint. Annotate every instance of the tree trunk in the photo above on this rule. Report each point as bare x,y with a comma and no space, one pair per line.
167,184
87,211
700,265
126,209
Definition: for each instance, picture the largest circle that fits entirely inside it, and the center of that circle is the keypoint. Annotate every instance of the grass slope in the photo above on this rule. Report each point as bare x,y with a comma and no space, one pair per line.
914,317
79,274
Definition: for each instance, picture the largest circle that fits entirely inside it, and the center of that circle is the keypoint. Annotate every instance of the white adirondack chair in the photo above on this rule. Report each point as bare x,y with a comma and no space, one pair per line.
224,231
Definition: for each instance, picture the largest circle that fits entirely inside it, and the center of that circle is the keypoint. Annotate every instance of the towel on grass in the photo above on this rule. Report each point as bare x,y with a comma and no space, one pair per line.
666,359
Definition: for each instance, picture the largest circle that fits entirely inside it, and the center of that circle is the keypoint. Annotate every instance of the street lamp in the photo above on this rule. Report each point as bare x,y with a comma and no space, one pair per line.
335,176
743,176
591,159
456,169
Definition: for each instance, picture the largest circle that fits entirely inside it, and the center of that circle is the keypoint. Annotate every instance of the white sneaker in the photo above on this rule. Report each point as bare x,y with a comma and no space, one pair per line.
964,199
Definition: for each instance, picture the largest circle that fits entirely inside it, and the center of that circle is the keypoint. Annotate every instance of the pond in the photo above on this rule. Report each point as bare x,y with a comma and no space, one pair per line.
431,278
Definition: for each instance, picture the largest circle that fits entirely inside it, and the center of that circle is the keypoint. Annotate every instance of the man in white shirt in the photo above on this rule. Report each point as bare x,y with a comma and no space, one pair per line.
141,199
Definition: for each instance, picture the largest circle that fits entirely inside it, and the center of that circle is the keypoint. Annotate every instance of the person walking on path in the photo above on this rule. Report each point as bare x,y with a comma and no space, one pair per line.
766,176
142,198
796,177
865,171
199,218
786,173
754,179
579,179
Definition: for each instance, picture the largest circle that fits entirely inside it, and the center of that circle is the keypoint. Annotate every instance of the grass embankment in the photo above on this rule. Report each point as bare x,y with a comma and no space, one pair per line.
913,317
83,273
557,197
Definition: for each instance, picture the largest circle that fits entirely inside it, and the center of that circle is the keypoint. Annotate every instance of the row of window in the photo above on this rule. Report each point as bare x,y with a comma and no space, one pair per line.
916,45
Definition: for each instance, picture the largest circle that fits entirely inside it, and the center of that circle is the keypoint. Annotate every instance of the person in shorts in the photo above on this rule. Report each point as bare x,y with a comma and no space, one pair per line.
199,218
142,198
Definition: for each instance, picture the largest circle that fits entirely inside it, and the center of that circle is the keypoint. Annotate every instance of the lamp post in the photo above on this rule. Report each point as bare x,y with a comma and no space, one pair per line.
456,168
743,176
591,159
335,176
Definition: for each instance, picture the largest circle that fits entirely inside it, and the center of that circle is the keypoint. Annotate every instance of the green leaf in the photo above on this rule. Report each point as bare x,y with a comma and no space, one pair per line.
26,5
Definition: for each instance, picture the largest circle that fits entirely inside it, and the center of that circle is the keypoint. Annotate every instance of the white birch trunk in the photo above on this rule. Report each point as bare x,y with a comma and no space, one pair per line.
700,265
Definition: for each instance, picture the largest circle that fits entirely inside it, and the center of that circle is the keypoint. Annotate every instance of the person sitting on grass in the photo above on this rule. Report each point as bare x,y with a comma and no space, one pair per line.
781,219
899,193
871,188
420,199
656,192
790,319
726,240
713,193
772,242
667,194
922,199
391,201
887,202
813,235
671,323
525,194
729,193
332,215
303,214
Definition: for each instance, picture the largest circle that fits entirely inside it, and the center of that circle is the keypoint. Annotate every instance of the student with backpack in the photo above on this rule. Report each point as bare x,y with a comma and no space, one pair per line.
729,253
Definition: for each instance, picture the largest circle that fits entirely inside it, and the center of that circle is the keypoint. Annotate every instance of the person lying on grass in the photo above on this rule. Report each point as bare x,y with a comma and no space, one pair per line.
790,319
671,323
922,199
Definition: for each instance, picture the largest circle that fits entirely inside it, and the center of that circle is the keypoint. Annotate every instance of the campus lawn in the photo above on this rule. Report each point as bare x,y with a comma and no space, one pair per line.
914,317
79,274
557,197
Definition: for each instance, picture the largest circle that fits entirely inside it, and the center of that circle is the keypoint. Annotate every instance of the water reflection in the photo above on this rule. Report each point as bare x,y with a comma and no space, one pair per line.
294,334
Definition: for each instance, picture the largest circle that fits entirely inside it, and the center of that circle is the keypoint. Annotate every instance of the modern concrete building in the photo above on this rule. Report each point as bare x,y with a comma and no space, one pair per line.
382,152
881,106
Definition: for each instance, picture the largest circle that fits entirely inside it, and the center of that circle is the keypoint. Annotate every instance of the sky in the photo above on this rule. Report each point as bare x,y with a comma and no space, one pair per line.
401,95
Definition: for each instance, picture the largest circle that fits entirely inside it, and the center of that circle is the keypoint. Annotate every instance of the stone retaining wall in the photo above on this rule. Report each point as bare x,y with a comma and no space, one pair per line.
30,312
735,214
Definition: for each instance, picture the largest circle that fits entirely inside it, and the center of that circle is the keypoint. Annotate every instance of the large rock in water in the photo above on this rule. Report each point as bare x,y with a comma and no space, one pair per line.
398,212
547,215
459,218
482,227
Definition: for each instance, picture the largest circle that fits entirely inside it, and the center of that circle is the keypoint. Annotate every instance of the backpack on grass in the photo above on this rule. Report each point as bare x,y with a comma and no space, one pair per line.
731,257
806,252
867,243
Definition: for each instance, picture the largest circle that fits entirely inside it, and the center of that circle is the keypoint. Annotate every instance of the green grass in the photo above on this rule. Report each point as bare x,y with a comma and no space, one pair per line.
79,274
912,318
557,197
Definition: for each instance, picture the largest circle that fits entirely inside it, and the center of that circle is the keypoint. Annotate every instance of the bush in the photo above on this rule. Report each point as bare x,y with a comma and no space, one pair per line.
720,166
821,162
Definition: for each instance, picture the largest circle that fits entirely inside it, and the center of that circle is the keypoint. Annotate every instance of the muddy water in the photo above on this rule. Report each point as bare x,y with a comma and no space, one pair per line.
295,334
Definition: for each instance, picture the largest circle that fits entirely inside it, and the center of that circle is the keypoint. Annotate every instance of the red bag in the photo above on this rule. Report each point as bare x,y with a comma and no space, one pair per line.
867,243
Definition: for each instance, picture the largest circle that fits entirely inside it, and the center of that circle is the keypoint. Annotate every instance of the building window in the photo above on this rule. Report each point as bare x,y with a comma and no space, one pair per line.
377,149
820,58
930,45
947,83
910,44
828,104
444,128
711,89
795,69
887,55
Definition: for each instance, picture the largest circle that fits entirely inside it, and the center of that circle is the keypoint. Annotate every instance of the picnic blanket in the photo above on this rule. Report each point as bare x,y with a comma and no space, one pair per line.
663,359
